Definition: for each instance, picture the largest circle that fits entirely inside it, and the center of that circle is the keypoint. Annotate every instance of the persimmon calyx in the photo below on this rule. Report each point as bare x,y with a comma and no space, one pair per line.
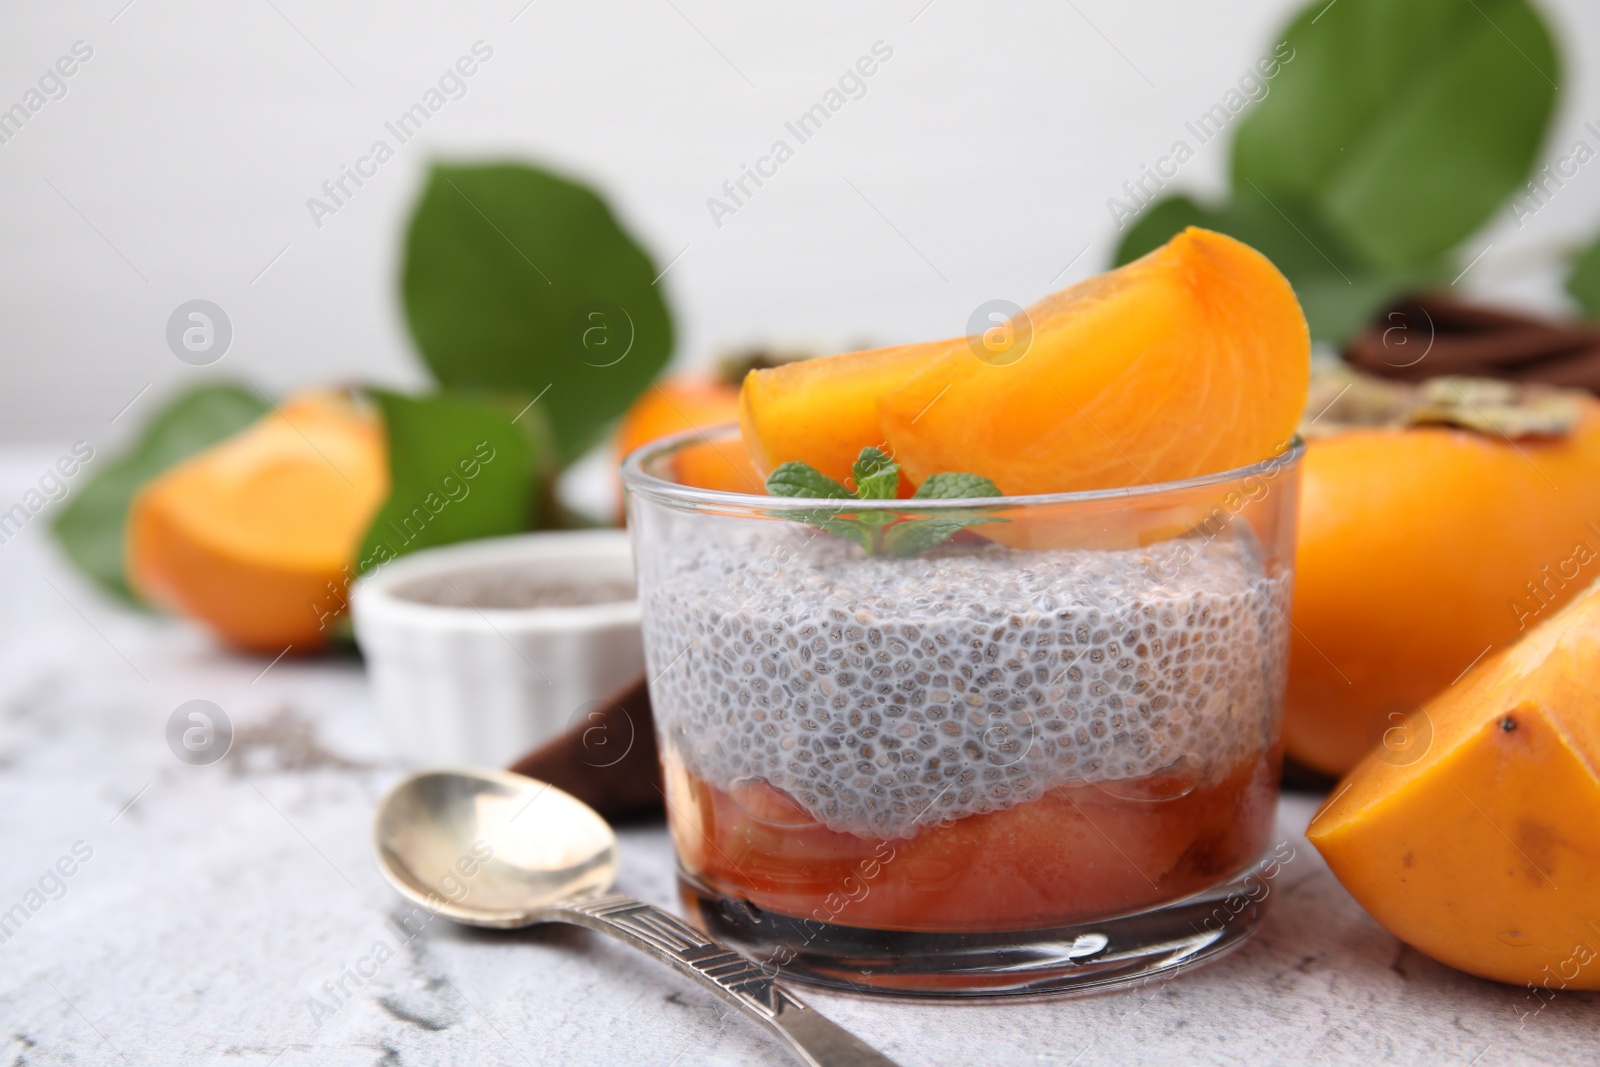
1342,398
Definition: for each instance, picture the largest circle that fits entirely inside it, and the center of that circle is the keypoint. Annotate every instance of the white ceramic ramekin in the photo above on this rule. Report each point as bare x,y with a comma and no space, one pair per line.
484,686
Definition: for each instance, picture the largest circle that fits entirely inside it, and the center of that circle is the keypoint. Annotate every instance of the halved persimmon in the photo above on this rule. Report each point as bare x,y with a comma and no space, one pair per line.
1475,837
675,404
256,535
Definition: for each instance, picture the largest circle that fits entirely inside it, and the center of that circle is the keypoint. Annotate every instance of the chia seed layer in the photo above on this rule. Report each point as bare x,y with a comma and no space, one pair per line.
888,694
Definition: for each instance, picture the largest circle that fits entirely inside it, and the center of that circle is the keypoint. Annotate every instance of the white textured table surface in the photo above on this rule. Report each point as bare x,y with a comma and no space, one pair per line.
216,904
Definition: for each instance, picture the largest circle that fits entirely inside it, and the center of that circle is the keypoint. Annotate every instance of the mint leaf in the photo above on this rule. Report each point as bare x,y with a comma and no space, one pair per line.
918,535
864,535
877,476
94,522
955,486
803,480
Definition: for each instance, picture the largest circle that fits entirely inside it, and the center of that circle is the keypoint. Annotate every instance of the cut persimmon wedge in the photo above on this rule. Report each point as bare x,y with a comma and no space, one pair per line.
825,411
1191,360
1472,830
253,536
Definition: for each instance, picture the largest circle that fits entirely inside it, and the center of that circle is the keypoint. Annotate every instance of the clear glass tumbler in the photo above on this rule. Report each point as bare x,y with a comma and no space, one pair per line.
969,747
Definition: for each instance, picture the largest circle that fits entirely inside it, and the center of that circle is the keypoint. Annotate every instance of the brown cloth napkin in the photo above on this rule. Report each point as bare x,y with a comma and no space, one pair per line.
1432,334
608,760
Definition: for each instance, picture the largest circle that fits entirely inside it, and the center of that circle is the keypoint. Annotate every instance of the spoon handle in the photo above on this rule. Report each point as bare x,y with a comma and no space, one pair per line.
735,978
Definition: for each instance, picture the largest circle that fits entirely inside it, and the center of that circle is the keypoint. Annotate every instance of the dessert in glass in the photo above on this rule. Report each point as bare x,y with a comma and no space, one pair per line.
981,739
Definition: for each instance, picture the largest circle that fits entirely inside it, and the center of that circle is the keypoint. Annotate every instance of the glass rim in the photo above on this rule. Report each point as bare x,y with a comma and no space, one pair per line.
637,479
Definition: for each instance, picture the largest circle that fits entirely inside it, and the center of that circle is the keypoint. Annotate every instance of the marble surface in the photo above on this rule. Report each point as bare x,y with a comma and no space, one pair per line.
216,901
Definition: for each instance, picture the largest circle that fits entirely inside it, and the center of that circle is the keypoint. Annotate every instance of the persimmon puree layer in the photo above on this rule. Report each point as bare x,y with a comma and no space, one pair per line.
1076,854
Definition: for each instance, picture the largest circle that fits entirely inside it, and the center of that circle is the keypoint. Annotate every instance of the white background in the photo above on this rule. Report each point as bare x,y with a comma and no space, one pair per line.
179,165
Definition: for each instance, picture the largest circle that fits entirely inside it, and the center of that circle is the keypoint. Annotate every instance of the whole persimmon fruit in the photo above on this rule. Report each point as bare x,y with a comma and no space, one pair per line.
1424,548
692,402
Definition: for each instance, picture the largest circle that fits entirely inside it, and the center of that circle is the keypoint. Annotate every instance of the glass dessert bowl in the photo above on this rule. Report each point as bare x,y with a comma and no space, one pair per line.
1029,745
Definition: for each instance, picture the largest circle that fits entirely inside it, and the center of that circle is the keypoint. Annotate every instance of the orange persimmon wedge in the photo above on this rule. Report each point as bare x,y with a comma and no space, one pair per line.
825,411
1191,360
253,536
1476,837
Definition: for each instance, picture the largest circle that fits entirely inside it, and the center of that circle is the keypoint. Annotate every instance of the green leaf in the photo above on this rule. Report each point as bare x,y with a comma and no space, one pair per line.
92,527
877,476
1584,281
919,535
955,486
459,469
516,279
874,518
1160,222
803,480
862,534
1401,124
1391,131
1337,292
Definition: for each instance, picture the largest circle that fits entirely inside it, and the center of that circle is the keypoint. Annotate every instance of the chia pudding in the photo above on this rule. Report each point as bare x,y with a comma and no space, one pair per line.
887,695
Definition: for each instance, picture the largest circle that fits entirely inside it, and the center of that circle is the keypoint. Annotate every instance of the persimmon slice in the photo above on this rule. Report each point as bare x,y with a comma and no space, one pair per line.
1191,360
825,411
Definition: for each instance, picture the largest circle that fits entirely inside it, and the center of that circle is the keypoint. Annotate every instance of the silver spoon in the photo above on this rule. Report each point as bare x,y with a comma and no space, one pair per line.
451,842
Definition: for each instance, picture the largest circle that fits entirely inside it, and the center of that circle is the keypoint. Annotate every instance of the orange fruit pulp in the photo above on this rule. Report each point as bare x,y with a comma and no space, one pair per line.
668,407
1192,360
1078,853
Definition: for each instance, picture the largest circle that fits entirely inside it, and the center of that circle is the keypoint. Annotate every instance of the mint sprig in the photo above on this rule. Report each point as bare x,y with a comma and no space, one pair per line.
877,477
876,474
804,480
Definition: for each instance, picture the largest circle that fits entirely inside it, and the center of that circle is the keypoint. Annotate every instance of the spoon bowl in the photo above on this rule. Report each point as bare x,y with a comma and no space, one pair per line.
489,848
